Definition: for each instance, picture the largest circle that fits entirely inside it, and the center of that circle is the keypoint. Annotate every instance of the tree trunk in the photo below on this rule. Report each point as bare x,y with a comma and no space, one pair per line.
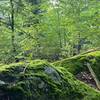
12,26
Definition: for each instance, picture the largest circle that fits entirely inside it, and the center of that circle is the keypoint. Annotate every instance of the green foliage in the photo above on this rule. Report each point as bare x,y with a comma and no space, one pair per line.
53,29
50,30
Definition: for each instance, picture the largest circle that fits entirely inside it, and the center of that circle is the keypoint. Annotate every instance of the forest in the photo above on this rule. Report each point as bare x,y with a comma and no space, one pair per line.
49,50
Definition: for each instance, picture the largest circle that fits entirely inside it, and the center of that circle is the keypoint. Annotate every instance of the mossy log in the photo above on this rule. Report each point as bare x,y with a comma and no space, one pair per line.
78,64
44,81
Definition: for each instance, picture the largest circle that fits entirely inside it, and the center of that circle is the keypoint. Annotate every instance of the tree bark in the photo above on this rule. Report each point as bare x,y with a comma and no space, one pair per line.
12,26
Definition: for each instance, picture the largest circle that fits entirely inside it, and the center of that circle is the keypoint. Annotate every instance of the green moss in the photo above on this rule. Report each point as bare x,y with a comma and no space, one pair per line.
77,64
42,81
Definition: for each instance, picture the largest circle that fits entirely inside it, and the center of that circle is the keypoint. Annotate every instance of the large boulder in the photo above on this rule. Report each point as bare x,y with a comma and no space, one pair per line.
39,80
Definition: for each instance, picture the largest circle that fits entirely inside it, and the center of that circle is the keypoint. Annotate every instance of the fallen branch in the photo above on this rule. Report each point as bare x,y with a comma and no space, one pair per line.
91,50
93,75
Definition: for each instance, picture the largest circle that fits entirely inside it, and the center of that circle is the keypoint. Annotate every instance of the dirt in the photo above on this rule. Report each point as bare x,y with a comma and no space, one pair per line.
87,78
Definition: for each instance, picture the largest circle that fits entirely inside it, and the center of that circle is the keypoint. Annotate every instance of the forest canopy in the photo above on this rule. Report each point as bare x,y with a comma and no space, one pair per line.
48,29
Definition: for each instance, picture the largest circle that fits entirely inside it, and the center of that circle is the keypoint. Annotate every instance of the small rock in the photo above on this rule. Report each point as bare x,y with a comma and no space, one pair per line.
53,74
2,82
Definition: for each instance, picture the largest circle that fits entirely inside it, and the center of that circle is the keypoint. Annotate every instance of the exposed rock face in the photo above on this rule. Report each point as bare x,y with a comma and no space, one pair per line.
53,74
42,81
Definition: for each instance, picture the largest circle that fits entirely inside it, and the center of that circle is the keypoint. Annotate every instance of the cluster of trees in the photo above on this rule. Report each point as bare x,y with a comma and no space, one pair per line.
48,29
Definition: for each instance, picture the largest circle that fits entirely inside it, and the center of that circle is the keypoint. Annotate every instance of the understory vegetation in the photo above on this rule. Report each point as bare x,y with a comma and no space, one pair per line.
40,80
49,50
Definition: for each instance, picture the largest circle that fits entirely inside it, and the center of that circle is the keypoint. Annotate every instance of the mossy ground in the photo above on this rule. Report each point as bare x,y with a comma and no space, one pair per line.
39,80
77,64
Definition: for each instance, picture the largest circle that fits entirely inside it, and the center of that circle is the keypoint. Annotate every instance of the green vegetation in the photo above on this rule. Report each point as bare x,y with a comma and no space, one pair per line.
77,64
55,29
42,81
49,50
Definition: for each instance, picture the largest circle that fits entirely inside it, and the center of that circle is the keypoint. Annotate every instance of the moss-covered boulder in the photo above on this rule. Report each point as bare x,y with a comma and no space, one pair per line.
78,63
39,80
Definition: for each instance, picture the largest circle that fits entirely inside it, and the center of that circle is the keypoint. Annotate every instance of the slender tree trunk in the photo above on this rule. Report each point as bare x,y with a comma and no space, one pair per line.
58,24
59,30
79,46
12,26
64,38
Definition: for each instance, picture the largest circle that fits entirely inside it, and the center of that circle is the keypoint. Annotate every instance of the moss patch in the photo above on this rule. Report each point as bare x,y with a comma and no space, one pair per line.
39,80
78,63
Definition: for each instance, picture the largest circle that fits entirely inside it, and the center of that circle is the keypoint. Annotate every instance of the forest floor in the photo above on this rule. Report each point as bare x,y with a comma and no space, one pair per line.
77,65
69,78
87,78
